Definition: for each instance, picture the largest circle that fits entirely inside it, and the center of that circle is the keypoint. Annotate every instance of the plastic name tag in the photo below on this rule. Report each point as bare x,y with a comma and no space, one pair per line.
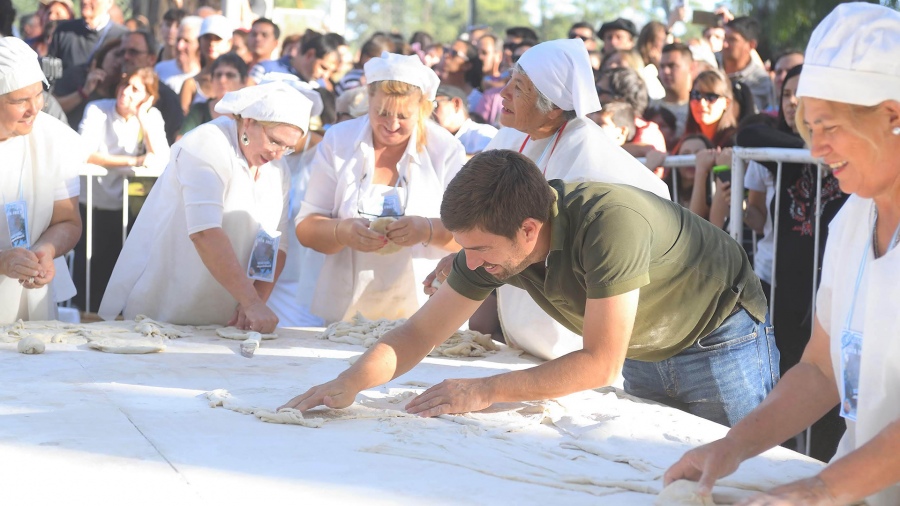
392,206
263,256
851,350
17,219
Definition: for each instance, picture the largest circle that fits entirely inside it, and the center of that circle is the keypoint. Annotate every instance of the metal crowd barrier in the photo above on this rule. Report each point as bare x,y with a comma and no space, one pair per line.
91,171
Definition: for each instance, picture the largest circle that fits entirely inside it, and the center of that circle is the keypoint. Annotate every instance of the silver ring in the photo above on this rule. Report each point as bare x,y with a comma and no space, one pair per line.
31,280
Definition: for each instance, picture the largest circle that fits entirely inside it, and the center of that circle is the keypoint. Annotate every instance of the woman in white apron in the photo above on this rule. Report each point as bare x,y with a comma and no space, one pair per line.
39,163
206,247
395,163
849,114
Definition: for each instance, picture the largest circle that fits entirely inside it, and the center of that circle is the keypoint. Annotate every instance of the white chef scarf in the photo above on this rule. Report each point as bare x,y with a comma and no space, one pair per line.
19,65
275,101
561,70
406,69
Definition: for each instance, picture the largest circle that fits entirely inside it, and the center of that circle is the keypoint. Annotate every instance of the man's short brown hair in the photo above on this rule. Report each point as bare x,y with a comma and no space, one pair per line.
496,191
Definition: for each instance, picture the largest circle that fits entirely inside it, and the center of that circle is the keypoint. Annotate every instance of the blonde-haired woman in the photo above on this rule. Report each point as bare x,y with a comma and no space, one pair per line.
203,250
392,163
849,114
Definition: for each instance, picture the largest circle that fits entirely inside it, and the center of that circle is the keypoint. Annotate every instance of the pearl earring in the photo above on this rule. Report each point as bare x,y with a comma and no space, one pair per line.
246,140
896,130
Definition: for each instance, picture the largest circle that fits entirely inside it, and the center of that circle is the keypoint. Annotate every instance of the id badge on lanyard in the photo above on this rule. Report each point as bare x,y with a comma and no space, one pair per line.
264,256
17,219
851,349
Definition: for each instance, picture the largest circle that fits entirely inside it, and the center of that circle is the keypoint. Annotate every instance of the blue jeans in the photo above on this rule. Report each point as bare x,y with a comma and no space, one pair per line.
722,377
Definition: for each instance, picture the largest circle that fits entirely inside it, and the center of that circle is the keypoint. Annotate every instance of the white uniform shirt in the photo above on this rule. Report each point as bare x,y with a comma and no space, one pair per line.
48,160
207,184
344,162
875,315
103,130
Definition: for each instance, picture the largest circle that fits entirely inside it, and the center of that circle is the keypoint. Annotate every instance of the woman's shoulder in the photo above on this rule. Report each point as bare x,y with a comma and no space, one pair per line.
213,139
104,105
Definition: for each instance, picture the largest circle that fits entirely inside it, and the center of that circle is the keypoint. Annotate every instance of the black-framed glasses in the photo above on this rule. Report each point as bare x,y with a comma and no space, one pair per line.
709,97
390,207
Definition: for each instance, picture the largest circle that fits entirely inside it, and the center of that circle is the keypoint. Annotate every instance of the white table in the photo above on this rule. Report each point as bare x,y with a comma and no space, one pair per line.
78,426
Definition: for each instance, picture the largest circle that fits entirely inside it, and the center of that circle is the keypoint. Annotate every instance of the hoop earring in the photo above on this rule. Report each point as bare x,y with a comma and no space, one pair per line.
896,130
244,139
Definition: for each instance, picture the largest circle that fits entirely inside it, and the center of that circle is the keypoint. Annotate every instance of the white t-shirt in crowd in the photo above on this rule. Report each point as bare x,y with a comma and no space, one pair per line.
760,179
171,75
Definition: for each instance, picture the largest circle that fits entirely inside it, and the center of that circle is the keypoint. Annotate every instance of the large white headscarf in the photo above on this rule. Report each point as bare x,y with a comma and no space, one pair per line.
561,70
275,101
406,69
302,86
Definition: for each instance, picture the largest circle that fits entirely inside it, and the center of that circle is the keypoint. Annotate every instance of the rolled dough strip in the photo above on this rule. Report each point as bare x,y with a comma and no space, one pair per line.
380,226
240,335
126,346
31,346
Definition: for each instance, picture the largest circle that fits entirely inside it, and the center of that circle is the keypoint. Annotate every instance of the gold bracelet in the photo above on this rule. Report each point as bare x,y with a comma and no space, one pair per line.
430,232
336,224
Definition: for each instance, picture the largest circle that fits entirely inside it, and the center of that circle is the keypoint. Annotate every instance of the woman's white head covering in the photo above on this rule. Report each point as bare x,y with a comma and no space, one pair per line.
852,56
406,69
302,86
561,70
275,101
19,65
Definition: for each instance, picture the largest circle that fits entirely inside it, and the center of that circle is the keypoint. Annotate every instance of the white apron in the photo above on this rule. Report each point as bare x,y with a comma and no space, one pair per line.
50,157
879,378
380,286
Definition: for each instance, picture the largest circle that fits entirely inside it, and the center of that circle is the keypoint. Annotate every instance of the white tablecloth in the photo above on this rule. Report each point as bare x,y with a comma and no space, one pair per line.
78,426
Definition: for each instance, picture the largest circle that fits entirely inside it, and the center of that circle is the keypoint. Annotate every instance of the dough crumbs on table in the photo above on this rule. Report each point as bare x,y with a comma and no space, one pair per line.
362,331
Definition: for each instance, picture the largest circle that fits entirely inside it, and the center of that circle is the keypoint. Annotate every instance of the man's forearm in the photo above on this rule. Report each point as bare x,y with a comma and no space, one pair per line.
574,372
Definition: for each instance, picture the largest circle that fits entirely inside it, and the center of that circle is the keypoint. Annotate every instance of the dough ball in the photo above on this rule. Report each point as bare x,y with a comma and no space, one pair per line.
682,493
380,225
31,346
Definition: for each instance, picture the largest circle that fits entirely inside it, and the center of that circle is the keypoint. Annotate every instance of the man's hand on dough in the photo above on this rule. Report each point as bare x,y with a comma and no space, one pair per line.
355,234
408,230
451,396
334,394
706,464
440,274
808,492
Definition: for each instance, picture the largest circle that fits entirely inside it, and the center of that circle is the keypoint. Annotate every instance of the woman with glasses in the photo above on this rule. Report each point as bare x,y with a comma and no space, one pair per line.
713,110
187,259
228,73
392,163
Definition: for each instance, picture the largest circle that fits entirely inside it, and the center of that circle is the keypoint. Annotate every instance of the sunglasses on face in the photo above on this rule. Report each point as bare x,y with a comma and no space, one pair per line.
709,97
576,36
453,52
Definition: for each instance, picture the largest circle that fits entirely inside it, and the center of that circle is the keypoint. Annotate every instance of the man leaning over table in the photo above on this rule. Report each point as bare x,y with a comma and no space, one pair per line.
636,275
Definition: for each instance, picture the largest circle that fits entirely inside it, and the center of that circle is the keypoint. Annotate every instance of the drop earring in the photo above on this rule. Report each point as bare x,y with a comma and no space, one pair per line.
896,130
244,139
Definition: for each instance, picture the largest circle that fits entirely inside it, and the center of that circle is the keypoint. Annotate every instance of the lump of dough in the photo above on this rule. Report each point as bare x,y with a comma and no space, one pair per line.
240,335
380,226
682,493
31,346
127,346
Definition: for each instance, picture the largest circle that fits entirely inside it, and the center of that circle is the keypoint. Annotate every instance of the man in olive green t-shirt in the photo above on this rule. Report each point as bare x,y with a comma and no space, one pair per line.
637,276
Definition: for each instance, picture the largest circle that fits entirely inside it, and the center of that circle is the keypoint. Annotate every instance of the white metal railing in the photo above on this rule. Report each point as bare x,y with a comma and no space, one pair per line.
91,171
